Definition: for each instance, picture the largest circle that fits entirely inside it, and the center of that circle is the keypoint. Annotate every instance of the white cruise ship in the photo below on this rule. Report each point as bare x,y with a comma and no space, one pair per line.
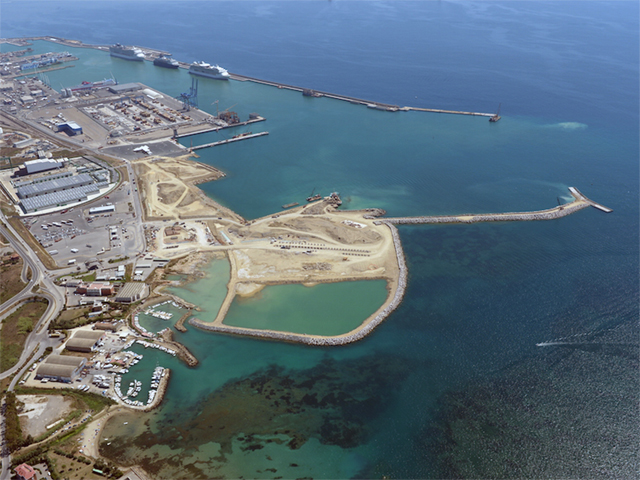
128,53
210,71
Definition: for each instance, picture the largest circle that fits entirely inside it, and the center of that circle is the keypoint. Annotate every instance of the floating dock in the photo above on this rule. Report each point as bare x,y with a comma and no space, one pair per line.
230,140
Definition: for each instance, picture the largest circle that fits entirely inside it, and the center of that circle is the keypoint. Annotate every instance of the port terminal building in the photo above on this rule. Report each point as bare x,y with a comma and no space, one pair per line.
60,368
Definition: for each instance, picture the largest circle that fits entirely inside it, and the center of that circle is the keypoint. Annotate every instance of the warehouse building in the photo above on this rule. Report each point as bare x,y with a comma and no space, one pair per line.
60,199
125,87
84,341
39,165
55,185
60,368
132,292
70,128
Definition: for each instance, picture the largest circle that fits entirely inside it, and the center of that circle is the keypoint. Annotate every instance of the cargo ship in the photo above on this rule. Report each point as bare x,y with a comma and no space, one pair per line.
128,53
203,69
166,61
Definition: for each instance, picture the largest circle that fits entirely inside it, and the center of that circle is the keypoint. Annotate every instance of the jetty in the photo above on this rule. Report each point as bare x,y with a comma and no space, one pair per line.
230,140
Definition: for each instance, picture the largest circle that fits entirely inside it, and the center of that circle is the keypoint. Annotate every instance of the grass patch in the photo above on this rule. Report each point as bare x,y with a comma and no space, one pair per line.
10,283
89,278
15,329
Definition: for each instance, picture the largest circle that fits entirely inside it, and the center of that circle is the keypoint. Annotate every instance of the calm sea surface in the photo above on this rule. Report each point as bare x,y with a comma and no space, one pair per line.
452,384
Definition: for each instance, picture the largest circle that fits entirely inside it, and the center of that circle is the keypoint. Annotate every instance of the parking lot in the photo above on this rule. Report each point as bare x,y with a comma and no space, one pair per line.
75,234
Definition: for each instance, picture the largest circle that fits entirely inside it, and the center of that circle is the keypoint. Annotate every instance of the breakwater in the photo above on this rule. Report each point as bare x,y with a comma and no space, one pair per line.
560,211
151,54
355,100
358,334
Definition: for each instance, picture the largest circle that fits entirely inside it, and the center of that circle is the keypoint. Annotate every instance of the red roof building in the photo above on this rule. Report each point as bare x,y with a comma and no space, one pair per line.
25,472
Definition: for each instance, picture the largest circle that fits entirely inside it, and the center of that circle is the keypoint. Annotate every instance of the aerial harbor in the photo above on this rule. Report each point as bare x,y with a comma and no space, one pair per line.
242,258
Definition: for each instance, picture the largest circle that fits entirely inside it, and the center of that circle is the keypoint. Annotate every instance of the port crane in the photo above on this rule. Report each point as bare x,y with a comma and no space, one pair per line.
190,99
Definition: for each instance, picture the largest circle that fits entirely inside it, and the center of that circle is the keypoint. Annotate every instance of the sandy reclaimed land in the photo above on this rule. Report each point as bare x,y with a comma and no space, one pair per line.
298,247
168,189
312,243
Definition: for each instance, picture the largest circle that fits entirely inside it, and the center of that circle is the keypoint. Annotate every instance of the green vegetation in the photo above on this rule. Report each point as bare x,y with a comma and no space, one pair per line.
16,328
89,278
71,318
10,283
119,259
13,432
90,400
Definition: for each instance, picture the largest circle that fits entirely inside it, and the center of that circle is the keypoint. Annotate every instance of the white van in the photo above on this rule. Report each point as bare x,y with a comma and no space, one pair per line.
71,262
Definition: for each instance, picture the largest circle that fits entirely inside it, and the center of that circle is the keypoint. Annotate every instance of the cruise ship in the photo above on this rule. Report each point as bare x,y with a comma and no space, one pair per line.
166,61
210,71
128,53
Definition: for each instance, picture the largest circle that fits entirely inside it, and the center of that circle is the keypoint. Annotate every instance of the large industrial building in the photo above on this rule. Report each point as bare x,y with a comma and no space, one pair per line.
40,165
132,292
60,368
84,341
70,128
54,185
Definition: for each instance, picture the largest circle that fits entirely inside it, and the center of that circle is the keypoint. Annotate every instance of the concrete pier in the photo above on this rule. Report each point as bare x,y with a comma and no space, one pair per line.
230,140
218,128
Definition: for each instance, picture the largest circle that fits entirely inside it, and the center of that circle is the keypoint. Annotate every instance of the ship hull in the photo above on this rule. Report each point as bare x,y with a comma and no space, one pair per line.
215,76
127,57
165,64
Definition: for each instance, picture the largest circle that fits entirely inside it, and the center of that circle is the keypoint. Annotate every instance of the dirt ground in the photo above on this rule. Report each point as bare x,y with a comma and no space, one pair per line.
168,189
42,410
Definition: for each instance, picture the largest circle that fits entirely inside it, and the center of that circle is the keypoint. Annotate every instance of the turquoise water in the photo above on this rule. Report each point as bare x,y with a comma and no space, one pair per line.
452,384
207,293
154,324
309,310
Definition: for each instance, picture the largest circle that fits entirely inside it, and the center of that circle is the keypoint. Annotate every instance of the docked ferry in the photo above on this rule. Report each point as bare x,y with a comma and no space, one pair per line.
128,53
210,71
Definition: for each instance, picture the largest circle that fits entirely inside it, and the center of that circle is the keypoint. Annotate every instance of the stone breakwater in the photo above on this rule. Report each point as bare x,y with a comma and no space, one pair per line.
358,334
550,214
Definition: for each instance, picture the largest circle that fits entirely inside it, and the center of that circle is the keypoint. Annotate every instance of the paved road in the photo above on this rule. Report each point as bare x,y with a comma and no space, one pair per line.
39,336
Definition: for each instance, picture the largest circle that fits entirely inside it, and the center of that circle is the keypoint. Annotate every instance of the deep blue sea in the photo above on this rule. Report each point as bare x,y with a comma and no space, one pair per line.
452,384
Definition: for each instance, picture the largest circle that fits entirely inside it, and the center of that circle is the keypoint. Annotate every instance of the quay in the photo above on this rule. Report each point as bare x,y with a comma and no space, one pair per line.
257,119
230,140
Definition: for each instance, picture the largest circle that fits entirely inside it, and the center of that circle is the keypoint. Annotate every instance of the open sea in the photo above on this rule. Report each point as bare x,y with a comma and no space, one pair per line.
452,384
